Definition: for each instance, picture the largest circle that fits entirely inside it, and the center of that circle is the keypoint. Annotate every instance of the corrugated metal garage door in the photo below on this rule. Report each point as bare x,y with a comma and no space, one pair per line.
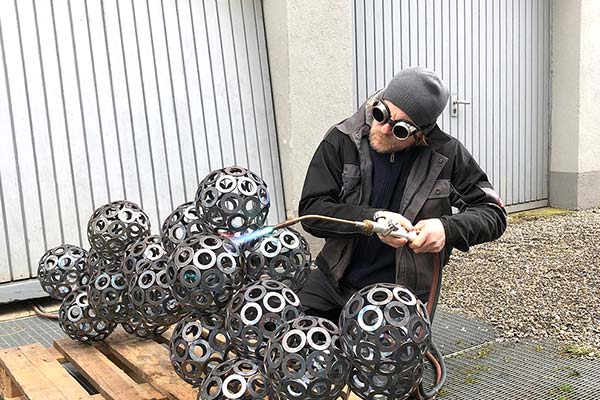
102,100
494,54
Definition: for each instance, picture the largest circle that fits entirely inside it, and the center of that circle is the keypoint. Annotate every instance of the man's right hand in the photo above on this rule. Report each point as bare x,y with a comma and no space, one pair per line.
398,220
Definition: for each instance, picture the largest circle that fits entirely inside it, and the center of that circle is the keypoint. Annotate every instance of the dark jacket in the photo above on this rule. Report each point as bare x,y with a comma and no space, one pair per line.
444,174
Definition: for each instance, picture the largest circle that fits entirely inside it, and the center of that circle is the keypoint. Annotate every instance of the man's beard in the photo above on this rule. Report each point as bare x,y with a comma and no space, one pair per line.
387,144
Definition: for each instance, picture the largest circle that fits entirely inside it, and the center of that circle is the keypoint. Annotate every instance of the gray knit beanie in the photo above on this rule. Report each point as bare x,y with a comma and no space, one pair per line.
419,92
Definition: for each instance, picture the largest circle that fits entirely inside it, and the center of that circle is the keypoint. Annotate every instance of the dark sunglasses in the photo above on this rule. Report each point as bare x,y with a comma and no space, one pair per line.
402,129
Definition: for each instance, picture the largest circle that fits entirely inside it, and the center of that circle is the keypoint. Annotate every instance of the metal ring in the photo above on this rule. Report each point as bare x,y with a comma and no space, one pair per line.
361,318
271,308
401,293
313,344
239,393
377,290
245,319
291,333
196,259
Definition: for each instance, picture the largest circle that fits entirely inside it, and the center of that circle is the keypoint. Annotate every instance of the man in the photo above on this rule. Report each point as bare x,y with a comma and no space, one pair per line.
391,162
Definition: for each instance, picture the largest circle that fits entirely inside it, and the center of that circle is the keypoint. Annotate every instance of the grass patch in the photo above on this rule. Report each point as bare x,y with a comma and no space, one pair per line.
575,350
483,352
530,215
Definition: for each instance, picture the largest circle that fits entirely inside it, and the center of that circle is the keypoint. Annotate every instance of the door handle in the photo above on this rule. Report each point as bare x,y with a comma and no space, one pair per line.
454,105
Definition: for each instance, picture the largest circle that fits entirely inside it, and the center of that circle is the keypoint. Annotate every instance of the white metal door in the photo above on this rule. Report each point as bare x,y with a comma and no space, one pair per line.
494,55
103,100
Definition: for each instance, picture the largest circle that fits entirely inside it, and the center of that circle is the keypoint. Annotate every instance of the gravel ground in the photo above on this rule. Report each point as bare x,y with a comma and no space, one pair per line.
540,279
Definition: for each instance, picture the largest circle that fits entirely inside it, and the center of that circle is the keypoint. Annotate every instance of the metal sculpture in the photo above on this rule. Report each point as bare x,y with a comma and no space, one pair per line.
233,200
78,319
198,344
304,360
241,379
137,325
145,267
283,255
115,226
63,269
385,332
182,223
255,312
204,272
108,295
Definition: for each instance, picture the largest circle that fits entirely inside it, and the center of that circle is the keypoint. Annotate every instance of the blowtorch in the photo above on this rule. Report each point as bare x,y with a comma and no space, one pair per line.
387,228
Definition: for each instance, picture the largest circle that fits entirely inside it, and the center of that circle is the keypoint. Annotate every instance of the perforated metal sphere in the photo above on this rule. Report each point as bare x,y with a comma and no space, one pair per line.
386,332
204,272
385,387
145,267
255,312
115,226
96,263
198,344
137,325
283,255
235,379
304,360
233,199
78,320
184,222
63,269
108,295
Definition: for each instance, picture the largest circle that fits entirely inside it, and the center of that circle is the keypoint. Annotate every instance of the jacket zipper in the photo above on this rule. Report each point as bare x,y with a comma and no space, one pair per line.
392,158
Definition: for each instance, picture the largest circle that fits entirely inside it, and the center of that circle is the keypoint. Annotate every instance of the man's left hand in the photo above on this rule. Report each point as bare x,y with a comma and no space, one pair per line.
431,237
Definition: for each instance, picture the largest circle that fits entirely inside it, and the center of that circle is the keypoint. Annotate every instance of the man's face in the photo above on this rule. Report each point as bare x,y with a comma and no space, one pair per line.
381,137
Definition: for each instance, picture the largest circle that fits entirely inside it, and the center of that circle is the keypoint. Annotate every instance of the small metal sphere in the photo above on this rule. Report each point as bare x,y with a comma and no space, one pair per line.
181,224
241,379
137,325
108,295
63,269
78,320
386,332
255,312
233,199
283,255
204,272
304,360
198,344
115,226
145,267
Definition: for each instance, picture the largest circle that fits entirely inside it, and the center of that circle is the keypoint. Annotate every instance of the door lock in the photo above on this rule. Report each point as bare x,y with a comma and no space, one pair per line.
454,105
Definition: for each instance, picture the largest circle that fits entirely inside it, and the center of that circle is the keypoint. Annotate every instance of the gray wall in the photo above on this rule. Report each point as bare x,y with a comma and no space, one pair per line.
137,99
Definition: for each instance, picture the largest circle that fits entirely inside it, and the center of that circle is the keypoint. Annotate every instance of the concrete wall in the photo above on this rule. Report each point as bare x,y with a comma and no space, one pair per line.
575,143
310,58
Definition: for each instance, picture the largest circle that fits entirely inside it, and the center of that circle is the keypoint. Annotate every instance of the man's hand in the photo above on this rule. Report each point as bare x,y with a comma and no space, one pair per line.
431,237
399,221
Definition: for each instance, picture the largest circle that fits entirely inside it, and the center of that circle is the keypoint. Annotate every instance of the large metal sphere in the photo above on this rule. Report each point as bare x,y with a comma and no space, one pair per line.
241,379
78,320
204,272
233,199
304,360
283,255
63,269
180,225
145,266
198,344
385,332
108,295
115,226
255,312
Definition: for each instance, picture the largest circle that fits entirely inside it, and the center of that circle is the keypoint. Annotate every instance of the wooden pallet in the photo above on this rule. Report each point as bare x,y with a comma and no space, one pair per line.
122,368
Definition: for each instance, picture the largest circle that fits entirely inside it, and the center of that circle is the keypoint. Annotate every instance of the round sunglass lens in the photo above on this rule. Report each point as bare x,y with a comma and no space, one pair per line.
400,132
378,115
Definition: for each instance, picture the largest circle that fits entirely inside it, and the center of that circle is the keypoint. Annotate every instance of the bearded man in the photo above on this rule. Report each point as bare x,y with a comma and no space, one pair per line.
390,161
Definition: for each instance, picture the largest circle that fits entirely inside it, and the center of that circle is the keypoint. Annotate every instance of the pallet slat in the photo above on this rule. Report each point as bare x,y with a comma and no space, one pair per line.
103,374
150,361
38,375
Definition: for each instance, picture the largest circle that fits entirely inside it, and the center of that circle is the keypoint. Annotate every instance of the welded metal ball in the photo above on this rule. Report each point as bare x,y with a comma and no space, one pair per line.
283,255
182,223
108,295
233,199
386,332
198,344
204,272
137,325
145,267
63,269
115,226
235,379
256,311
304,360
79,320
